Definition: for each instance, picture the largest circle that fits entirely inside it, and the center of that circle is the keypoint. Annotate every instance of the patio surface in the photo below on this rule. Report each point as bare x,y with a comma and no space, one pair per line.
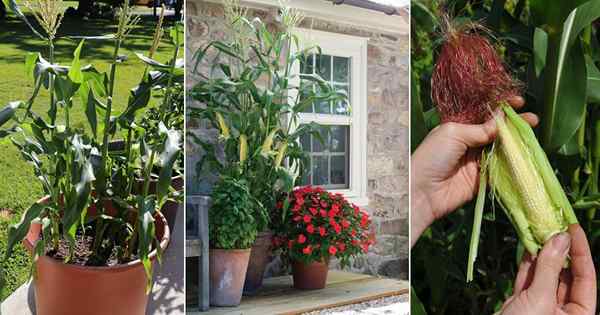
343,288
168,295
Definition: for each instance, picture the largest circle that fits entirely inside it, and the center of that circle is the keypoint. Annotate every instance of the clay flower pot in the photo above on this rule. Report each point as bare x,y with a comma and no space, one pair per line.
169,210
67,289
227,270
259,258
311,276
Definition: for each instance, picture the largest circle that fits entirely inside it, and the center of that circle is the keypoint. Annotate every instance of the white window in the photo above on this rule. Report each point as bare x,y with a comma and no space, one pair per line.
339,163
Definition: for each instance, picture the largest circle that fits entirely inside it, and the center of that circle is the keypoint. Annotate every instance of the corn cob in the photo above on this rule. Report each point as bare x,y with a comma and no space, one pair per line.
243,148
525,185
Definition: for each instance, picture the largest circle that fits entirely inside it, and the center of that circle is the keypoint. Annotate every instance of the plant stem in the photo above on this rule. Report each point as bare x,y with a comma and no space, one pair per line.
51,86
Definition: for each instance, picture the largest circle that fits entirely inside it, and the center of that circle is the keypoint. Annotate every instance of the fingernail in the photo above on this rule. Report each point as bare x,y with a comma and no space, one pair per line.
562,243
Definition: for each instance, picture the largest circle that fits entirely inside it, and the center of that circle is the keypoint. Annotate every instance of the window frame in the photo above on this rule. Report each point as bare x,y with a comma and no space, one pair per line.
354,48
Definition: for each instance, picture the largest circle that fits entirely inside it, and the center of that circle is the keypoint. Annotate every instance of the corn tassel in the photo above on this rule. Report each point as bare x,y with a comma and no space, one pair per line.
524,183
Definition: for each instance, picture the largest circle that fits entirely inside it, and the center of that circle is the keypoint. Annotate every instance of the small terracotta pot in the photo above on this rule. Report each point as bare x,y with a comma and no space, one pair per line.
311,276
65,289
227,269
259,258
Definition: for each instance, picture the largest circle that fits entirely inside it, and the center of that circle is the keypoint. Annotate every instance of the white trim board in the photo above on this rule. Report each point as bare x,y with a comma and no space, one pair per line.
343,14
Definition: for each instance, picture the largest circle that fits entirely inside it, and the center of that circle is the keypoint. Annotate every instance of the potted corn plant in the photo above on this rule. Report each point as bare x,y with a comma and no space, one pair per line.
257,114
93,238
319,226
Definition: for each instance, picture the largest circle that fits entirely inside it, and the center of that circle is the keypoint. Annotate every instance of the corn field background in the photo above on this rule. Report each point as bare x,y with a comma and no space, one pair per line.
553,48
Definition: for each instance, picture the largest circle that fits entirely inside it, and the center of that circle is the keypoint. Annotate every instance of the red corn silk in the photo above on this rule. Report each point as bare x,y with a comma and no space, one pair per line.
469,79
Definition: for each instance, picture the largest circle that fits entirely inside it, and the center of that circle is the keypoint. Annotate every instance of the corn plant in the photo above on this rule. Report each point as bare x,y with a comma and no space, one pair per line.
553,50
78,170
246,94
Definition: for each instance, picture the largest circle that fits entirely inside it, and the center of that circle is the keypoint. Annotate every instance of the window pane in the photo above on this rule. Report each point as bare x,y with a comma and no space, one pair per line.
306,65
341,107
338,138
304,91
320,170
305,142
306,177
317,145
339,171
322,107
324,67
341,69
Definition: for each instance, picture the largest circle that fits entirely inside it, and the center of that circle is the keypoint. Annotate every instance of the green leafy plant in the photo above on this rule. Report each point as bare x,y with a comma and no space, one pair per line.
554,51
245,94
321,225
233,215
90,191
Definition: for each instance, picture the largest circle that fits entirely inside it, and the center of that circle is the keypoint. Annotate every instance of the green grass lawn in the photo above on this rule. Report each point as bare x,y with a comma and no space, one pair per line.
18,187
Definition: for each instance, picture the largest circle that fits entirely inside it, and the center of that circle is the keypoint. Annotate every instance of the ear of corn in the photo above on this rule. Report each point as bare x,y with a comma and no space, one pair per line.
266,147
223,126
524,183
243,148
281,154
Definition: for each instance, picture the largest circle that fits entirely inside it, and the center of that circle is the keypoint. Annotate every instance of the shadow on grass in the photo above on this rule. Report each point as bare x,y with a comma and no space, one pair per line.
16,34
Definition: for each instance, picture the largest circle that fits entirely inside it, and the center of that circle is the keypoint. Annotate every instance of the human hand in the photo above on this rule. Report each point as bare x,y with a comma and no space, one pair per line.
544,287
445,168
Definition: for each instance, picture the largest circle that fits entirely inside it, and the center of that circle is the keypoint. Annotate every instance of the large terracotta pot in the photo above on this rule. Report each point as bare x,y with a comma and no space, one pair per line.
311,276
64,289
227,272
259,258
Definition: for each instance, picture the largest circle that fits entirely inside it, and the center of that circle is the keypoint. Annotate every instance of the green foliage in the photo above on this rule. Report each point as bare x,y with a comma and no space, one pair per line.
246,88
233,215
79,171
554,51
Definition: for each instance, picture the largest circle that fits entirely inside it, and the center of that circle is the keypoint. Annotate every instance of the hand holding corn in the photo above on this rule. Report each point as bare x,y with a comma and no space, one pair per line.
544,287
445,168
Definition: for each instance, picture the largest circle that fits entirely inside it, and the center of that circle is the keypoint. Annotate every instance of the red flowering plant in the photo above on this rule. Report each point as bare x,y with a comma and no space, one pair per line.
318,225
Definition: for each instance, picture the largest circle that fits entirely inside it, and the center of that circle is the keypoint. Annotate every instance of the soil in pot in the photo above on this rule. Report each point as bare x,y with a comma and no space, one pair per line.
259,258
74,289
312,276
227,269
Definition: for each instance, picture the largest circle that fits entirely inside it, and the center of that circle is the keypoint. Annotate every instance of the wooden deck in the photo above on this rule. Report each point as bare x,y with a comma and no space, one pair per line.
278,297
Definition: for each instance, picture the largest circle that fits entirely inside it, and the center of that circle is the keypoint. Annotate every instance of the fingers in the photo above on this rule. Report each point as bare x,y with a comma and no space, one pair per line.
548,266
583,290
525,274
516,101
531,118
473,136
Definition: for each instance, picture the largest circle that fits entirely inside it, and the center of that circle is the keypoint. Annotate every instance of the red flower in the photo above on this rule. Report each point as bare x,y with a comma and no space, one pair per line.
299,200
307,218
290,243
332,222
322,231
332,250
276,241
297,218
365,247
301,239
296,208
337,228
313,210
279,205
353,233
323,204
307,250
364,220
342,247
354,242
310,229
345,223
323,213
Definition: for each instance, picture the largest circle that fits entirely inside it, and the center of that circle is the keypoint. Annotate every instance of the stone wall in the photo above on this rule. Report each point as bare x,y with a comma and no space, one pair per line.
388,123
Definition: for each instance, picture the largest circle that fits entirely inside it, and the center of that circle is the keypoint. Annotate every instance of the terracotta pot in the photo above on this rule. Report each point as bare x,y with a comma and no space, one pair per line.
227,269
259,258
311,276
64,289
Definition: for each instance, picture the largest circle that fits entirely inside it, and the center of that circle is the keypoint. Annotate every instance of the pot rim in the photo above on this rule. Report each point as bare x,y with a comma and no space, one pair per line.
242,250
120,267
